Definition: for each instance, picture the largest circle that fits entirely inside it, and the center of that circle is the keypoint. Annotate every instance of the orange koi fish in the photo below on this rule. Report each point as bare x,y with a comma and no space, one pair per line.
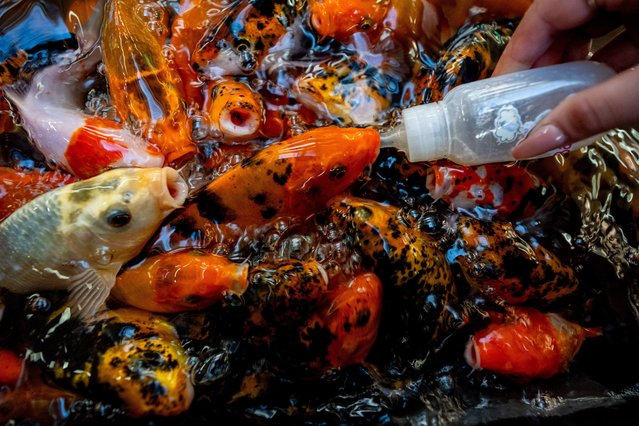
18,187
497,189
235,110
192,22
497,261
35,402
10,367
180,281
351,319
343,18
526,343
143,86
295,177
83,145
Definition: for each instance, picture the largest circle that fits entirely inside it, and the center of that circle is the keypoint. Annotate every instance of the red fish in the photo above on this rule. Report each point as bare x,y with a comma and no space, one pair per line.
294,178
497,188
526,343
17,187
10,367
352,320
180,281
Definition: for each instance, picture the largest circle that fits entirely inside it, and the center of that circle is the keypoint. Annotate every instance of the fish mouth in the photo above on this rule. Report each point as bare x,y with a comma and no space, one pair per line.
239,122
174,189
472,355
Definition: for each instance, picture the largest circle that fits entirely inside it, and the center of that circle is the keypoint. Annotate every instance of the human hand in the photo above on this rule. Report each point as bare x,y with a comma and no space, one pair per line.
554,31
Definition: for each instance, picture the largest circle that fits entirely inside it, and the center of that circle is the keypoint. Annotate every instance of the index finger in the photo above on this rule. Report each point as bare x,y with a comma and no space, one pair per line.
540,27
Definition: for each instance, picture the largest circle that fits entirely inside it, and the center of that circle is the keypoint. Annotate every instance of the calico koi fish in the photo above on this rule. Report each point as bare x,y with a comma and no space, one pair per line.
104,222
470,56
133,354
238,45
500,263
294,177
180,281
83,145
497,189
349,91
18,187
143,86
442,19
408,260
235,110
527,344
343,18
351,319
283,294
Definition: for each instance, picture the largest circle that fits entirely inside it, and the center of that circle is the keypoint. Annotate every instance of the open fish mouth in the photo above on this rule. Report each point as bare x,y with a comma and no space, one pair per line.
173,189
239,122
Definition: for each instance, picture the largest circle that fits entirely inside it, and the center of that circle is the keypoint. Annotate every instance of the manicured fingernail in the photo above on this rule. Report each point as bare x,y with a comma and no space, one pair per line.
544,139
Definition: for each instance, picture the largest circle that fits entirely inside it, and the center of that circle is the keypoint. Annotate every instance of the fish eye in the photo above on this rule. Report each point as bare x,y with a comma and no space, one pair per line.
366,24
118,218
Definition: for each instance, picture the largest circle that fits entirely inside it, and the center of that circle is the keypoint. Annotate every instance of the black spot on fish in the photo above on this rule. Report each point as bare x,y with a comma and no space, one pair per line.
268,212
281,179
212,207
259,199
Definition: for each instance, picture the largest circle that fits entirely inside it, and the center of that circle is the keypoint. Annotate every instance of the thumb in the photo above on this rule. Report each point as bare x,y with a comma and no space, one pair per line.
597,109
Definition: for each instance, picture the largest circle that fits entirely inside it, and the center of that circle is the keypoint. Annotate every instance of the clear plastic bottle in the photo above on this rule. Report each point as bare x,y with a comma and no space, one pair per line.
480,122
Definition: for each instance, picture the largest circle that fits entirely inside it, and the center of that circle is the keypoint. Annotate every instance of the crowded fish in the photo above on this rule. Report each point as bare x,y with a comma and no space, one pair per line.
198,221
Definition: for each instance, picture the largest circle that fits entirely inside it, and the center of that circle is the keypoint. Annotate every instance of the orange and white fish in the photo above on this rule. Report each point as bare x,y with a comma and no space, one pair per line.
82,144
526,343
77,237
234,109
180,281
497,189
293,178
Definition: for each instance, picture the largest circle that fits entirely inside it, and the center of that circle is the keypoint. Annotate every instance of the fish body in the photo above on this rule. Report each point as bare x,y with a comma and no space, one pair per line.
234,110
343,18
10,367
526,343
294,177
81,144
78,236
351,317
497,261
417,279
470,55
498,190
144,88
18,187
180,281
348,91
132,354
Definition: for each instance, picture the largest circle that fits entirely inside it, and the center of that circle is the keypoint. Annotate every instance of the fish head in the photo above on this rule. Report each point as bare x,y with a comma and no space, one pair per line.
111,216
343,18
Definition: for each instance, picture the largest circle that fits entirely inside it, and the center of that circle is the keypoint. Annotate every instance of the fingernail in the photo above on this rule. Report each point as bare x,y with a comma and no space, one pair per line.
541,140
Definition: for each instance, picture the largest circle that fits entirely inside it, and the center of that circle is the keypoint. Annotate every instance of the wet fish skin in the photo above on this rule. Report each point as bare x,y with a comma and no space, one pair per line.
78,236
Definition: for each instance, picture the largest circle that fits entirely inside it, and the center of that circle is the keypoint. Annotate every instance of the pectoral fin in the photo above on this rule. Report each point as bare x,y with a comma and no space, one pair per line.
88,292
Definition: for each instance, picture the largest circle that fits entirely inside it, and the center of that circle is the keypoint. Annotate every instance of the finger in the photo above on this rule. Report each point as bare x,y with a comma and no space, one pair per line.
622,52
610,104
568,47
540,27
